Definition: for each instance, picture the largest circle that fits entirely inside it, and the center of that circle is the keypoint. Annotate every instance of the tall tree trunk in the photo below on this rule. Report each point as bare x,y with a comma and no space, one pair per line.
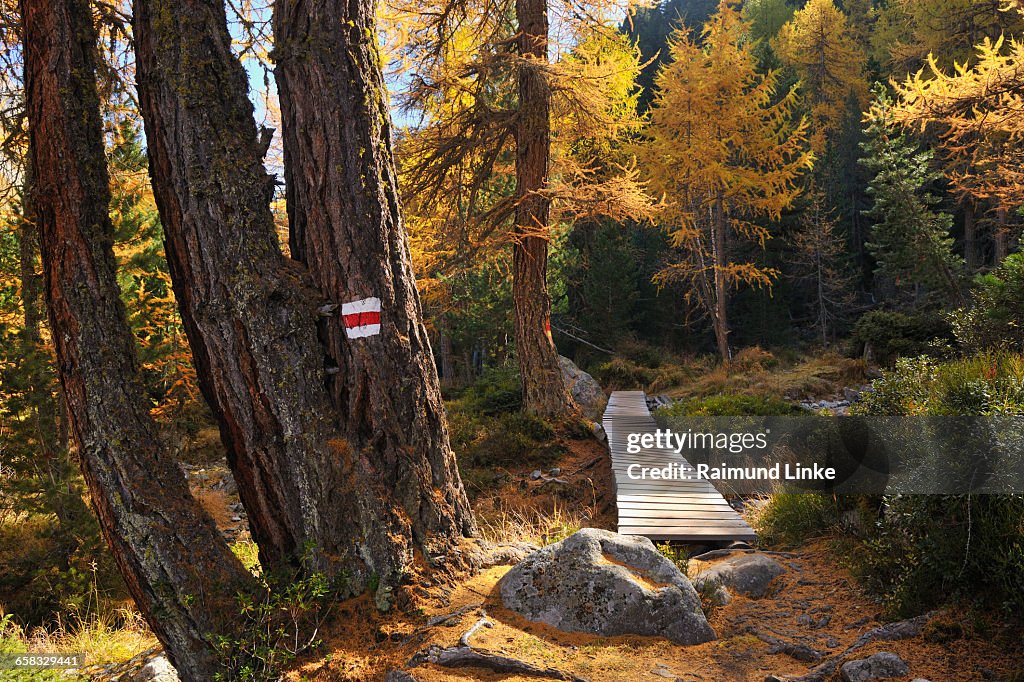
175,563
249,313
970,236
345,226
719,315
1001,237
544,392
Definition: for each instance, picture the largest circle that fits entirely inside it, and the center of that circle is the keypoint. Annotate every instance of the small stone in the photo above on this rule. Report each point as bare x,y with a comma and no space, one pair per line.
748,574
236,518
555,472
881,666
158,669
535,476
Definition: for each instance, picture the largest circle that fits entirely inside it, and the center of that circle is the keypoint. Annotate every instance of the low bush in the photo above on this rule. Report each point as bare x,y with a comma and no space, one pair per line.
996,318
889,335
730,405
789,519
925,549
989,383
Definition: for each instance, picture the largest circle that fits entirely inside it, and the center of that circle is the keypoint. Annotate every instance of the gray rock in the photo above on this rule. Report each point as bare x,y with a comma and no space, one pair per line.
555,472
598,431
583,388
881,666
749,574
537,473
603,583
399,676
157,669
485,554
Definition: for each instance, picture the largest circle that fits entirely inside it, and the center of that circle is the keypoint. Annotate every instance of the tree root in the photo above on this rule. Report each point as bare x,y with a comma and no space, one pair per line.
464,655
800,652
904,629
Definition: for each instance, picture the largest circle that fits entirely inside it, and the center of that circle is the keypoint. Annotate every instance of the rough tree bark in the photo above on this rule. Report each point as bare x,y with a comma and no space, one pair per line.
249,315
544,392
61,490
345,226
176,565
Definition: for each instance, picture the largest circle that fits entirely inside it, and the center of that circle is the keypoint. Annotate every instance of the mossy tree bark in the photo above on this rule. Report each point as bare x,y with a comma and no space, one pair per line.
544,392
346,227
176,565
248,312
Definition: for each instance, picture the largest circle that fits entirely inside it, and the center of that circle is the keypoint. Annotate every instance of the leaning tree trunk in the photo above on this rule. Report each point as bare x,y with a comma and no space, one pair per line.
345,226
544,392
176,565
249,313
61,491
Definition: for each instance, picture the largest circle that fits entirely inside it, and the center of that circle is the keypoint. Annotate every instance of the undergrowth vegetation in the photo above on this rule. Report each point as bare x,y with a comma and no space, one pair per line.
920,551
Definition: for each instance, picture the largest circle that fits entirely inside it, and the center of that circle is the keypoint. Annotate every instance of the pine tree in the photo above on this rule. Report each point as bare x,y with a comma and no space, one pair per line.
726,151
819,44
819,264
514,141
910,239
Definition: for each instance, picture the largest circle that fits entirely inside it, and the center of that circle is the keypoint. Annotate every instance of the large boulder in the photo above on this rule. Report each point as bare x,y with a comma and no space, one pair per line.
750,574
583,388
603,583
881,666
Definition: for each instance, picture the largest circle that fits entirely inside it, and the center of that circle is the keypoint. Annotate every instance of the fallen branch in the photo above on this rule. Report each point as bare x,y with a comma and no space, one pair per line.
464,655
441,620
904,629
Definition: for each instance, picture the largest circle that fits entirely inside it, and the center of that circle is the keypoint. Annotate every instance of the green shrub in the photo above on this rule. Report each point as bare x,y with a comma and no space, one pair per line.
989,383
279,623
497,390
621,373
890,335
996,320
789,519
928,548
727,405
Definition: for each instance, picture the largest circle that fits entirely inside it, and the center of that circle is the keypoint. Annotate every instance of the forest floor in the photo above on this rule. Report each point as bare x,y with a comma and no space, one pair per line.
817,603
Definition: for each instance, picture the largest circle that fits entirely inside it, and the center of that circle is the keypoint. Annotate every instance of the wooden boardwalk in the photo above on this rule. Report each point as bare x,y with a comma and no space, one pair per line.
683,510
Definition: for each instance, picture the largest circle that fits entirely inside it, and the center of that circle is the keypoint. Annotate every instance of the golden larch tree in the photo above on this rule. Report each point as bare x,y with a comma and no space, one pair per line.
820,45
726,150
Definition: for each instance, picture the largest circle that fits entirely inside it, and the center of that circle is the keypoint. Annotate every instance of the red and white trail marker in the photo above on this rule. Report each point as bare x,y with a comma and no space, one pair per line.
361,318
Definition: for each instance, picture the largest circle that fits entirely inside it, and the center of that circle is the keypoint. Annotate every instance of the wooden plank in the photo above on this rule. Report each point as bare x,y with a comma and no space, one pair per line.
663,509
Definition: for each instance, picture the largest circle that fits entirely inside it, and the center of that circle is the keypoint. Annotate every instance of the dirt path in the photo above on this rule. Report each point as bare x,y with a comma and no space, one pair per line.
817,604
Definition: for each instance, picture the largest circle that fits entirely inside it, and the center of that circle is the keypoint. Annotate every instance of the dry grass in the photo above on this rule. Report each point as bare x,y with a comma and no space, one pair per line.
108,637
756,372
752,371
535,525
